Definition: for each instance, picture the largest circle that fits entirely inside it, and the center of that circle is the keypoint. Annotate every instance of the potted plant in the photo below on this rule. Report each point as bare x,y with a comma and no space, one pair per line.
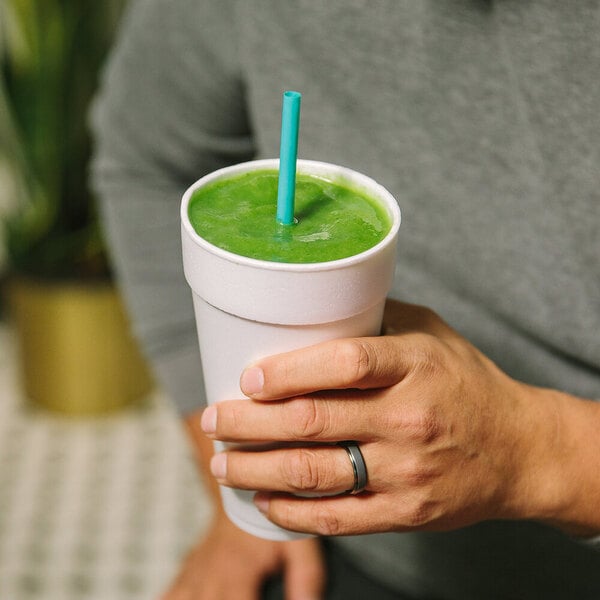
76,351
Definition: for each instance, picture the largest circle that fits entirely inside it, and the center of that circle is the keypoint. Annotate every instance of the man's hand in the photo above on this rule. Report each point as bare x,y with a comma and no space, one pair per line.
447,437
229,563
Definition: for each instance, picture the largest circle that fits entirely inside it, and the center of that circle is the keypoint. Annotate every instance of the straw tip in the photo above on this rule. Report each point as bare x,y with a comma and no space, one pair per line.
292,95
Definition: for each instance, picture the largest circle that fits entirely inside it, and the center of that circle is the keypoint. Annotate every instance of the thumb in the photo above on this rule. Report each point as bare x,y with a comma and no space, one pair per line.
305,573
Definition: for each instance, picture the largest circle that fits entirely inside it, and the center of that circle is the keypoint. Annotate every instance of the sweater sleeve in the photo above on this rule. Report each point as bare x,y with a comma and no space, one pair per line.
170,109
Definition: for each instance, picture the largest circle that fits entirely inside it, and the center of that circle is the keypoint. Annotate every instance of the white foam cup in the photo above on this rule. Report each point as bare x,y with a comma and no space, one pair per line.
247,309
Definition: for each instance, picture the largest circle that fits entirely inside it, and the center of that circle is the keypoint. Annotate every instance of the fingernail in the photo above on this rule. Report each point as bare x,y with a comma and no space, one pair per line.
218,465
209,420
252,380
262,502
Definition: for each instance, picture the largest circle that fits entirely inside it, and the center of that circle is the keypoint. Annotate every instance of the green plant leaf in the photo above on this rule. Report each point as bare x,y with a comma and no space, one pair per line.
51,52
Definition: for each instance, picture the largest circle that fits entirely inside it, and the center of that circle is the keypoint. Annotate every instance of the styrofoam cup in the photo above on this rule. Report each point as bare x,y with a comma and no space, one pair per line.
247,309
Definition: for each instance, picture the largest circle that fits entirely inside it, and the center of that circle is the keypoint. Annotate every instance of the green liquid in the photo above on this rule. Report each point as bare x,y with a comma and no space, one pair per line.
333,220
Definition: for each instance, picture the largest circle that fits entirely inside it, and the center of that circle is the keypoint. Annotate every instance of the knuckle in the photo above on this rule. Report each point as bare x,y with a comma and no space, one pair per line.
420,515
353,360
420,425
420,512
309,418
426,356
419,474
422,504
286,516
300,470
425,426
327,522
433,357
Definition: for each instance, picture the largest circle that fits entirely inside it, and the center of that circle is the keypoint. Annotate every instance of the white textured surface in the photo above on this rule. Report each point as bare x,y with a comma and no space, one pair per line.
95,508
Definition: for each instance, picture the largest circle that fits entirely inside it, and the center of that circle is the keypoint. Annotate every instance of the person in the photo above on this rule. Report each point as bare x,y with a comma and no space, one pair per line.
475,412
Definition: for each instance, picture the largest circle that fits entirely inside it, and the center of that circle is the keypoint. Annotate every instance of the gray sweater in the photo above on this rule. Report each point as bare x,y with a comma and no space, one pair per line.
480,116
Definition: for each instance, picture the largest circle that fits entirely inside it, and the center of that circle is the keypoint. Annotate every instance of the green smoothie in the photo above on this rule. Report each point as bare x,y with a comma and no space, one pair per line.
333,220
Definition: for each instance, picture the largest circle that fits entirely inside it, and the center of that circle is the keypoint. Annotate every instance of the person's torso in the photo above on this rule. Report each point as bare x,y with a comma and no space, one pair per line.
482,118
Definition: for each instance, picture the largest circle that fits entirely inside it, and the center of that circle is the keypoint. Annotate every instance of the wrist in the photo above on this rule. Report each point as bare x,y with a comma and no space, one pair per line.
577,513
534,491
560,485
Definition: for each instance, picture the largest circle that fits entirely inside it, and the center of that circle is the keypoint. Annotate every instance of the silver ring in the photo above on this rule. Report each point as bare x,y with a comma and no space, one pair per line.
359,467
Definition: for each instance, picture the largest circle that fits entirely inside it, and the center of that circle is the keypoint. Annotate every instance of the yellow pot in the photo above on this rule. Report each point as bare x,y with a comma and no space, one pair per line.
77,354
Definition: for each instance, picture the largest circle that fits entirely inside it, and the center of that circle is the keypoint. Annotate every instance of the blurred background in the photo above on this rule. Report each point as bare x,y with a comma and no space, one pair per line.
99,498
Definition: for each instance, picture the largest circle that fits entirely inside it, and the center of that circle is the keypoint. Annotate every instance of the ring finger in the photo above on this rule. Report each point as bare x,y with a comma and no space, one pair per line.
315,470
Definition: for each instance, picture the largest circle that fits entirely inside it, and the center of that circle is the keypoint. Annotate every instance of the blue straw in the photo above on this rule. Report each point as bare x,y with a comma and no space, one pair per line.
288,153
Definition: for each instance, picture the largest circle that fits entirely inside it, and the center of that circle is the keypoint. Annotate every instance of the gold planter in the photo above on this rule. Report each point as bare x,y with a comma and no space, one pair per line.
77,355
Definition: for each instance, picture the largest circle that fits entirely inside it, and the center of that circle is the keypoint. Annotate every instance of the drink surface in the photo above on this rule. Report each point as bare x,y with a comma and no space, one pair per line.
333,220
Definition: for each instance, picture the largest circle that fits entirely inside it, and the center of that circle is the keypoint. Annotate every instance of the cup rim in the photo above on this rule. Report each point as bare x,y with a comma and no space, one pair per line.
303,166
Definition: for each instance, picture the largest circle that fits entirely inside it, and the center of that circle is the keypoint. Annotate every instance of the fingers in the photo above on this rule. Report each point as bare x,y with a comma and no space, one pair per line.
304,570
317,470
334,516
324,417
360,363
